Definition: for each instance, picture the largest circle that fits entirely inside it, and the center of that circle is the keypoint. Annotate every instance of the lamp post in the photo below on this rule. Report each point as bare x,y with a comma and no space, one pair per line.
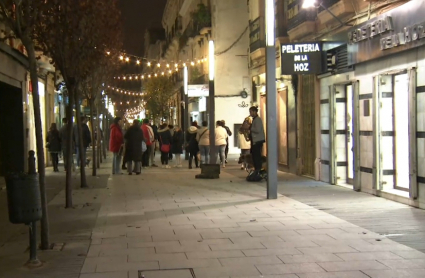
213,153
271,102
186,106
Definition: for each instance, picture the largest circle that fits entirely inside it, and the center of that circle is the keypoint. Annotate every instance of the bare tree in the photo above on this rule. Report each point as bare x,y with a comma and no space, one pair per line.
77,34
21,17
159,91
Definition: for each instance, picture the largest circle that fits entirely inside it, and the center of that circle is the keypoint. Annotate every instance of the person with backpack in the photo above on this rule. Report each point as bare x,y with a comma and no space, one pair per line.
203,139
165,139
257,138
192,144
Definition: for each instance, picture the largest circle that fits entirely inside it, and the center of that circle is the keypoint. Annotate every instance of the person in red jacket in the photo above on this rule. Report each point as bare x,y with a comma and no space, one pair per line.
116,142
149,139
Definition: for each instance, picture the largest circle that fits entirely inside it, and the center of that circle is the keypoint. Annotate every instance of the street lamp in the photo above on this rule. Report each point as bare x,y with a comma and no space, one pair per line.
211,55
271,102
186,105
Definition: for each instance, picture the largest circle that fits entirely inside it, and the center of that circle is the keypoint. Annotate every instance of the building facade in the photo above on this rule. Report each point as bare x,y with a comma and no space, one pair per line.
189,25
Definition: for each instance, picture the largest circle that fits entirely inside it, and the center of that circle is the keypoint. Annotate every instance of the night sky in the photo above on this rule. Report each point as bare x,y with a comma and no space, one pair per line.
138,15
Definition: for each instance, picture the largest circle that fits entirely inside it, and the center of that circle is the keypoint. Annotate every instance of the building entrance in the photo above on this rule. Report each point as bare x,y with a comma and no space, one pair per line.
12,157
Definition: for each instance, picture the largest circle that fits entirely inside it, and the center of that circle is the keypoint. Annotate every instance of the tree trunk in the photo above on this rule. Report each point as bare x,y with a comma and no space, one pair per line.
94,144
80,144
106,133
39,142
100,133
69,147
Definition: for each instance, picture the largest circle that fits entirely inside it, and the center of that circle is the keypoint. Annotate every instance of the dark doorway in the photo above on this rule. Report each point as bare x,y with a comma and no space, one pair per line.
11,129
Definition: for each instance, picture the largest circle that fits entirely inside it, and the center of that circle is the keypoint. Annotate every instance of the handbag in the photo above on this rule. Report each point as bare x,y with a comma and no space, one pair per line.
165,148
144,147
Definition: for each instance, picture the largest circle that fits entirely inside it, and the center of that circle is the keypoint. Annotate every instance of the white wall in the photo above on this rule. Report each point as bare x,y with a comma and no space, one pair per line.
229,19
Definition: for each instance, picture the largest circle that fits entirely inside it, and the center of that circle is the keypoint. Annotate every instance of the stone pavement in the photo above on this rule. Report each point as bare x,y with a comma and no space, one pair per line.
165,223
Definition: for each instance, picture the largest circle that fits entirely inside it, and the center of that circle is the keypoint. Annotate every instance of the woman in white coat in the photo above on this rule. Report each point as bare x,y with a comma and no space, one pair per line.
244,142
220,141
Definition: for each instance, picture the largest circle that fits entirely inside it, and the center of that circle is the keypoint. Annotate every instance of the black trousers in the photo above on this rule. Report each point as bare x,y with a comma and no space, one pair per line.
191,156
256,155
164,158
55,160
146,155
226,151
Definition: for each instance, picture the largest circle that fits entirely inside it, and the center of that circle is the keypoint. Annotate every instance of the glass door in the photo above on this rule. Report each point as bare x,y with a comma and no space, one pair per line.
350,134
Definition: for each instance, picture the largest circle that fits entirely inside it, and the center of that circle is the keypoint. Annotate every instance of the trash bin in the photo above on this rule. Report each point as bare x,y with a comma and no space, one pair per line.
23,198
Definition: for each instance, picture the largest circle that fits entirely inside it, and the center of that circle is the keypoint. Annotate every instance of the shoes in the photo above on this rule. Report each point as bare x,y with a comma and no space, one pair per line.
130,174
167,167
225,160
154,165
224,165
242,168
138,173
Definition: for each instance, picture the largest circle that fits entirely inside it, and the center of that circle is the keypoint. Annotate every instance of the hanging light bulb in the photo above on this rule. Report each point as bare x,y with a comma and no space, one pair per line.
121,57
107,52
199,61
184,64
130,77
143,77
127,59
123,78
156,75
149,76
170,71
138,62
158,65
149,64
162,73
192,63
176,65
137,77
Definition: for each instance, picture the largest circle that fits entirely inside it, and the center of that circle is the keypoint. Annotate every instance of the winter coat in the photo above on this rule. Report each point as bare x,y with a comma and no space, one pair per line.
133,144
229,132
203,136
192,144
220,136
54,141
63,135
148,134
86,135
177,142
164,136
257,131
116,139
243,144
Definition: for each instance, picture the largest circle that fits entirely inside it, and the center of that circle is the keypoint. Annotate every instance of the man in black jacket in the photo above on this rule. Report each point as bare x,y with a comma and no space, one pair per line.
86,140
229,133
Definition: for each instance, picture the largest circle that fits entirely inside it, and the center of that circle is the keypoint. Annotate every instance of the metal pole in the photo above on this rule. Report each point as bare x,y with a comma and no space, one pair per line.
213,152
271,103
33,241
185,125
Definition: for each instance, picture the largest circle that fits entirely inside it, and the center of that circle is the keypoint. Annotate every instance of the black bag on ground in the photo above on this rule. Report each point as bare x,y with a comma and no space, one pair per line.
254,176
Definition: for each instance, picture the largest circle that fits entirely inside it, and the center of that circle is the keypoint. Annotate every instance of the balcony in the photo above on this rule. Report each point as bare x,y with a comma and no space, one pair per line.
340,8
257,41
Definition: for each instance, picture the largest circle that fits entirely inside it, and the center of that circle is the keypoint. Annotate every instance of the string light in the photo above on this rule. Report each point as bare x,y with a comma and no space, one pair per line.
121,57
149,64
127,59
158,65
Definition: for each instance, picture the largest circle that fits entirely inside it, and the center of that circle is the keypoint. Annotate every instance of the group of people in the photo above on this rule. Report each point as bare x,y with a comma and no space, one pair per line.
57,140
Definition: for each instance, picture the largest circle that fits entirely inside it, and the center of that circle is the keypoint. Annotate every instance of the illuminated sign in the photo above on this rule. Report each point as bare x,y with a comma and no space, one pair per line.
401,29
301,58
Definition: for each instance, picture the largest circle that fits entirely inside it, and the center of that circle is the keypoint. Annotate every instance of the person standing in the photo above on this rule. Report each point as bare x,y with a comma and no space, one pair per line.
244,141
164,144
86,141
63,135
149,139
170,154
116,141
258,138
155,136
229,133
192,144
220,141
203,139
133,146
54,145
177,146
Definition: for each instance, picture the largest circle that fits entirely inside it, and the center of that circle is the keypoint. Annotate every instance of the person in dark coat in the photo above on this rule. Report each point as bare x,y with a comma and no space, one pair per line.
133,148
177,146
192,144
86,140
116,141
164,139
170,154
54,145
229,133
63,134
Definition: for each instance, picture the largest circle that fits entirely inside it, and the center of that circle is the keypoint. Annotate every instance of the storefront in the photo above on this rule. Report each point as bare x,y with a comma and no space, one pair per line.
372,118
